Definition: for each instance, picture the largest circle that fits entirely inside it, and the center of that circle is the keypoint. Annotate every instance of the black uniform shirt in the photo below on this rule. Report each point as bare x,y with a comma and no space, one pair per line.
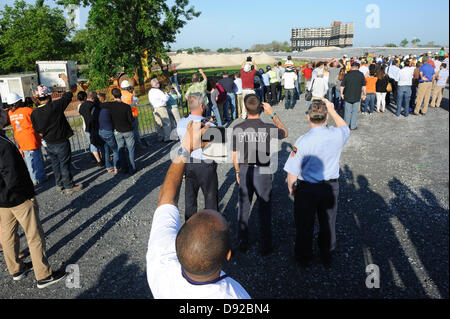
251,139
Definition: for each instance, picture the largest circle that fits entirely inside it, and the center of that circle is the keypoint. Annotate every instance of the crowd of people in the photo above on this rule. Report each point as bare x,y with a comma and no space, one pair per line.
186,261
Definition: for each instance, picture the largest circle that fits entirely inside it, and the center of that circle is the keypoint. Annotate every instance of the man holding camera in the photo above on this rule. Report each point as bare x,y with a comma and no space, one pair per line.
248,72
200,174
251,159
313,173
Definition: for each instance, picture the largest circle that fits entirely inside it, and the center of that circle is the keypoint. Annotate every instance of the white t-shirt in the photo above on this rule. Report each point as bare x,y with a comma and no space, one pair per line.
289,79
405,76
319,87
157,98
238,89
164,270
364,70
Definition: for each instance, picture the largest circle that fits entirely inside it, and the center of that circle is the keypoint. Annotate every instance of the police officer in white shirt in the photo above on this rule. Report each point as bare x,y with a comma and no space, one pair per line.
200,173
158,99
185,262
313,173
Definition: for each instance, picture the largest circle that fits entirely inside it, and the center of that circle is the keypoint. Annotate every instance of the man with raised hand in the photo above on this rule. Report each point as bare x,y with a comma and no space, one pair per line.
185,262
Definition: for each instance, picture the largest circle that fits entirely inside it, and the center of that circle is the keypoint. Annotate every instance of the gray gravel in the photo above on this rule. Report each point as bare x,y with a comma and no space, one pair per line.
393,212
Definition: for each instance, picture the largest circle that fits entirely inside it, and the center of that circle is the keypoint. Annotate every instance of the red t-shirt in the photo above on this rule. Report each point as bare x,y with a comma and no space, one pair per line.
248,79
307,73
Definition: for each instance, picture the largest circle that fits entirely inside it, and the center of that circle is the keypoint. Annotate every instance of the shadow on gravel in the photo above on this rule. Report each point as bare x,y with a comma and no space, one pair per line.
144,185
119,279
406,238
444,103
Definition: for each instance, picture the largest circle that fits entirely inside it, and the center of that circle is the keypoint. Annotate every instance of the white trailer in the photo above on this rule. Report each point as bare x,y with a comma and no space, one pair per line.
23,84
48,73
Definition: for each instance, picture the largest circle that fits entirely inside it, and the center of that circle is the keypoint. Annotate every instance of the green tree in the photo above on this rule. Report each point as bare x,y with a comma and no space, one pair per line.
78,47
130,35
415,41
390,45
404,43
29,33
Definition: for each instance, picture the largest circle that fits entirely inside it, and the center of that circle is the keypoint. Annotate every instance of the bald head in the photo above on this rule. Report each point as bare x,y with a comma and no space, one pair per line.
203,243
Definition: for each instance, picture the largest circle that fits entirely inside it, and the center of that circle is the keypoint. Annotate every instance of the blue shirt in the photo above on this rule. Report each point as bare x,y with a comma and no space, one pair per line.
266,80
428,72
316,155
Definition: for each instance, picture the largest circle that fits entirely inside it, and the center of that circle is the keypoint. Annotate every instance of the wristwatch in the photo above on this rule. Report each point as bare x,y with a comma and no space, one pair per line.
182,152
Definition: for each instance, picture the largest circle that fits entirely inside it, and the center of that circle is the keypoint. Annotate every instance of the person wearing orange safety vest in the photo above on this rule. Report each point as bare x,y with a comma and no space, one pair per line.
28,140
129,97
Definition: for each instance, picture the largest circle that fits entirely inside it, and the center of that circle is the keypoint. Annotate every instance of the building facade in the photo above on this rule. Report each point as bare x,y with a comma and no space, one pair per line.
338,35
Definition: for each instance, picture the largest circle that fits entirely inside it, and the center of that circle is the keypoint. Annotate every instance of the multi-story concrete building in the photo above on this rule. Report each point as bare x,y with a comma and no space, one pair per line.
339,35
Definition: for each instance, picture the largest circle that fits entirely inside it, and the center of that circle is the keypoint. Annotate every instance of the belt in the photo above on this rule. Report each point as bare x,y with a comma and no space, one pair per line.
249,165
321,182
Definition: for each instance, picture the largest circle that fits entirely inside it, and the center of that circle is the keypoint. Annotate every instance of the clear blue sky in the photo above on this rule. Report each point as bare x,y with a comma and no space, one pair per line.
242,23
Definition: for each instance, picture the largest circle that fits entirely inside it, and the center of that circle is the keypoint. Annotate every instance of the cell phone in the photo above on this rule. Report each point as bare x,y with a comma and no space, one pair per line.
214,135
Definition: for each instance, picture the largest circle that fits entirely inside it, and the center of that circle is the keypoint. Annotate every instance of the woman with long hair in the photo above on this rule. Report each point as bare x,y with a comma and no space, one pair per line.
381,90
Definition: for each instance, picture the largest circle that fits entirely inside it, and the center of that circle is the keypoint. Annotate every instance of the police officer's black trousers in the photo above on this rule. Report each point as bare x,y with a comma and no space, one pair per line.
255,180
312,199
201,175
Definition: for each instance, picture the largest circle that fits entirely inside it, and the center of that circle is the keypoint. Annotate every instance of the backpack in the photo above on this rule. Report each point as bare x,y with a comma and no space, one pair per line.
222,97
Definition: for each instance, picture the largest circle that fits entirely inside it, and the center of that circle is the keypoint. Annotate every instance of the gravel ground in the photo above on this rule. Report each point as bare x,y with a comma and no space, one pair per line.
393,212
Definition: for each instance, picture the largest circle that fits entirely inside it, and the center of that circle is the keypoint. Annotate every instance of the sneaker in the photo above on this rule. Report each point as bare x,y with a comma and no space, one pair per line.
27,267
53,279
74,189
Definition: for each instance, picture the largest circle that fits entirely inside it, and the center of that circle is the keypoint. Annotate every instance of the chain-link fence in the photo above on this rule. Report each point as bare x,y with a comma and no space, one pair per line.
79,142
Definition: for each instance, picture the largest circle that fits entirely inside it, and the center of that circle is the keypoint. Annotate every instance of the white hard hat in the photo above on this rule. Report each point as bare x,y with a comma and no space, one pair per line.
125,84
247,68
13,98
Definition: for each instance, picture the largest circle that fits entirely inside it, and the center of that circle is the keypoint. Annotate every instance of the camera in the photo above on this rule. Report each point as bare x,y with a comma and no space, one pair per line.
249,59
261,108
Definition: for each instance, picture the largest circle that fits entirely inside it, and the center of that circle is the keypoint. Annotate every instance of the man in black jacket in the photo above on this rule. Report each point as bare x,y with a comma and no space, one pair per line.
50,122
18,206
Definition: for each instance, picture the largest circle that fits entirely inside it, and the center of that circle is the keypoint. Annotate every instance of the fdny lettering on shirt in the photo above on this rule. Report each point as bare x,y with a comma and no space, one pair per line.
253,137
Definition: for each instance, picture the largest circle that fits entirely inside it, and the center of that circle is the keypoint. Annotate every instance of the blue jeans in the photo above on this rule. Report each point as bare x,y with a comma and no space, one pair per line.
370,101
60,156
403,99
260,93
289,97
351,114
35,166
137,135
110,145
334,94
230,104
92,147
126,140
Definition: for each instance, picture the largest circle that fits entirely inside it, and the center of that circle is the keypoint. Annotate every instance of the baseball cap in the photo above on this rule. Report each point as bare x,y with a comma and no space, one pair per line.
13,98
355,64
268,67
42,91
125,84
